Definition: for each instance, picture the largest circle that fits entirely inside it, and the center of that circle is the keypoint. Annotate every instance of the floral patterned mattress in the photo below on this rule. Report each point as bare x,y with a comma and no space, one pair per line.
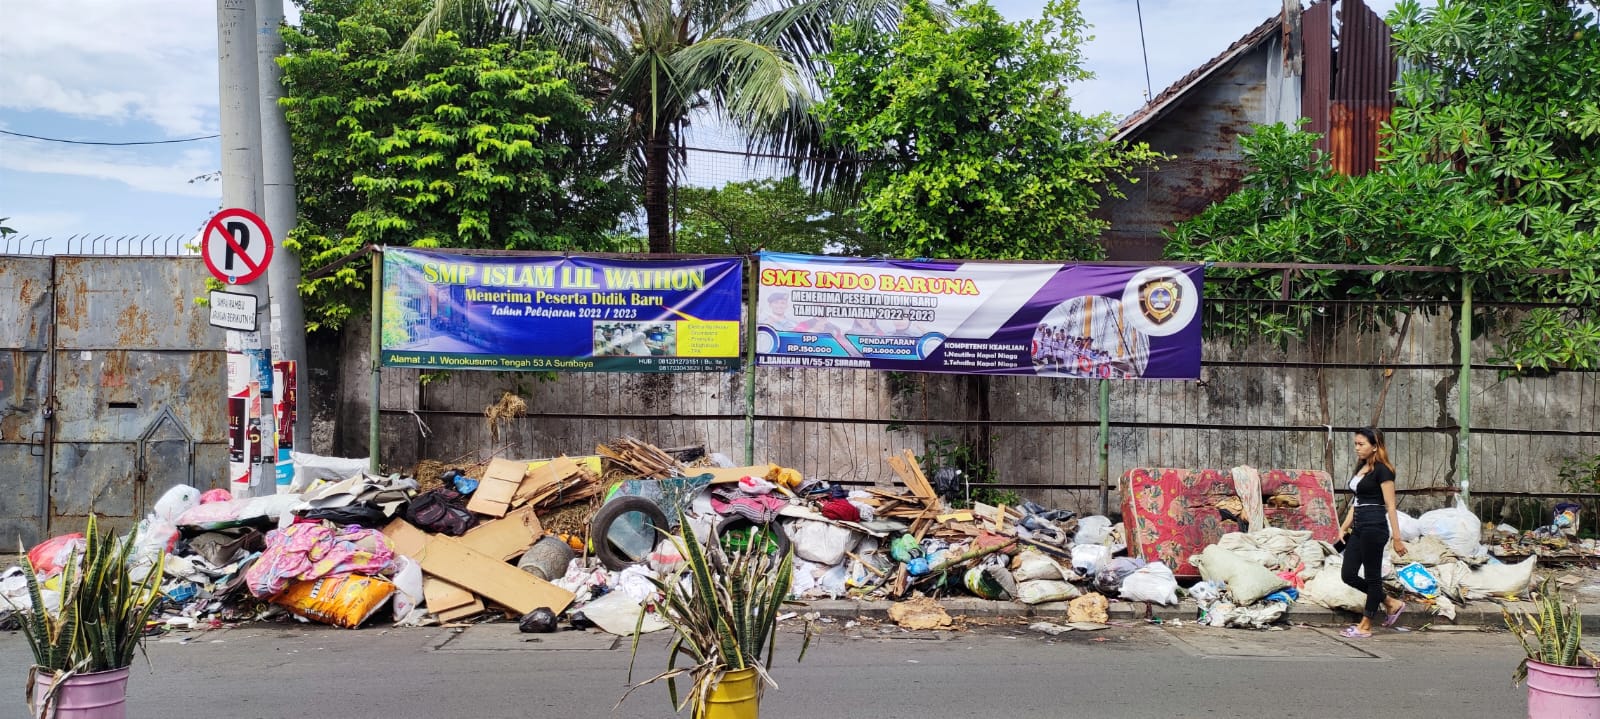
1171,514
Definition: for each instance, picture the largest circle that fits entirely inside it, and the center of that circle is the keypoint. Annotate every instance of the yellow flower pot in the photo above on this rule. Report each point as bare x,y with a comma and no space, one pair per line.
737,696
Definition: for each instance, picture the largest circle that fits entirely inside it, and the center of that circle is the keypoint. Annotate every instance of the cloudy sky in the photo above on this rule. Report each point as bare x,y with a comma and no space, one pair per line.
139,70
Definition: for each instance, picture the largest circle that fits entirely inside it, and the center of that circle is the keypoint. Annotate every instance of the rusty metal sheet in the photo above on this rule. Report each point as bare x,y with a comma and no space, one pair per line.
1316,32
115,395
21,482
25,311
211,465
97,478
22,389
132,303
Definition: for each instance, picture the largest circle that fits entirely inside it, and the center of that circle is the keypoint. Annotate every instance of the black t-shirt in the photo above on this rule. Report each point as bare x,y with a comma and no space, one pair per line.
1369,491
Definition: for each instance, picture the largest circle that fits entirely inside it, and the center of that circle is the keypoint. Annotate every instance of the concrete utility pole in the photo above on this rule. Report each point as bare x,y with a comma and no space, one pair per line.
278,201
240,118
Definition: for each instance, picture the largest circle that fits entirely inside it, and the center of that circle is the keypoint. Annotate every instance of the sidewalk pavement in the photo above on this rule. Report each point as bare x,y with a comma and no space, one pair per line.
1482,613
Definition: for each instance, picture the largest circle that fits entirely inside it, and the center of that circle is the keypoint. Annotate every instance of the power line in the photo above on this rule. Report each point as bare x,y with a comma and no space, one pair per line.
112,144
1139,11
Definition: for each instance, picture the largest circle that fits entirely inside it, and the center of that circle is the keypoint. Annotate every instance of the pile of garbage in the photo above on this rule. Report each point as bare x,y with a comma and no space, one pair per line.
581,537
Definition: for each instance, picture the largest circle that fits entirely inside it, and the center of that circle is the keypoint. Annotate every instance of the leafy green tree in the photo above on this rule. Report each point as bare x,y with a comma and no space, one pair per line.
777,215
444,146
4,230
1489,164
978,152
654,63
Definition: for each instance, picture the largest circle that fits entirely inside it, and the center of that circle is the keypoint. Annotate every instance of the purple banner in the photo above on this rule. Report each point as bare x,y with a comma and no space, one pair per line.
1066,320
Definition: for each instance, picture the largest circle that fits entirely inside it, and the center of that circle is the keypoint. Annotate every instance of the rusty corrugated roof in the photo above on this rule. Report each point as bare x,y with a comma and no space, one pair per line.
1163,101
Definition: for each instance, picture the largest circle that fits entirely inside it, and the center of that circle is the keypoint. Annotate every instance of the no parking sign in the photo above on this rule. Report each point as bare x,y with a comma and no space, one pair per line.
237,246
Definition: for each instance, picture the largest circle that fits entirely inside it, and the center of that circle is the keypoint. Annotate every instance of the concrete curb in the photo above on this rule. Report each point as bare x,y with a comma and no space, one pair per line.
1475,614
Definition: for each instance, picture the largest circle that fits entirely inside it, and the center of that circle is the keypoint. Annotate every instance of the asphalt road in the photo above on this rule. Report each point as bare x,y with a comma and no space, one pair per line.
1008,671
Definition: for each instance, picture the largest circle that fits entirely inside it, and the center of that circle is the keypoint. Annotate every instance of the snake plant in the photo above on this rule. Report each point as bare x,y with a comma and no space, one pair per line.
724,614
103,611
1551,635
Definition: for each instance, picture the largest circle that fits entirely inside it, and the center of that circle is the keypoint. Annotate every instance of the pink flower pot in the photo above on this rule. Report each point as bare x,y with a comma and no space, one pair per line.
1556,692
99,695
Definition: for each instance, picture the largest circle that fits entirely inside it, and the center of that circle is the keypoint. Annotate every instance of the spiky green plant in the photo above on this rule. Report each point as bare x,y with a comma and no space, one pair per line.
103,611
724,615
1556,629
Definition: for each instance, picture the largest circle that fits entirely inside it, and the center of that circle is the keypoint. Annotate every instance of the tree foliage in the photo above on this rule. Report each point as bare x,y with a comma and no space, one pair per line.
775,215
1489,164
977,151
655,63
446,146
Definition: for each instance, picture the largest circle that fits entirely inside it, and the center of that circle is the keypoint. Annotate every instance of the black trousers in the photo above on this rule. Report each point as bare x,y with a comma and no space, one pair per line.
1363,552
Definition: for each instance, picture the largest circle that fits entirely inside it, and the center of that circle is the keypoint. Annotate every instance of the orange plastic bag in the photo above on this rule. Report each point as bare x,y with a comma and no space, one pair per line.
343,600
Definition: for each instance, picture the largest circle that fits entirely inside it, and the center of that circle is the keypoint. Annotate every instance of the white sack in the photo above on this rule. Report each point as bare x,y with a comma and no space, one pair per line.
1248,582
1152,582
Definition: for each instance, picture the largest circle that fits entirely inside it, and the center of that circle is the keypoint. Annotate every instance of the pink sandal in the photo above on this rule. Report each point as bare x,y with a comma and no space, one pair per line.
1351,632
1390,619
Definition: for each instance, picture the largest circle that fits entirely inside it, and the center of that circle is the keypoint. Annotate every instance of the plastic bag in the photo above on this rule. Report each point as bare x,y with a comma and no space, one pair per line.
1093,529
1039,591
1089,559
343,600
216,495
176,501
991,581
310,468
1248,582
1499,580
1110,577
1410,528
1457,526
821,542
407,587
49,556
1152,582
1030,565
1419,580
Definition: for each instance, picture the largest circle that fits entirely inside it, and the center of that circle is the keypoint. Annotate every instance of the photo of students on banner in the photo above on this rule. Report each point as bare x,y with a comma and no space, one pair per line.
1052,320
461,310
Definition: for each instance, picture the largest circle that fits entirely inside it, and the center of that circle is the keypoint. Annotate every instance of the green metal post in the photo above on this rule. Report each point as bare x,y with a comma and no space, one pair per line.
1105,447
377,362
1464,389
750,365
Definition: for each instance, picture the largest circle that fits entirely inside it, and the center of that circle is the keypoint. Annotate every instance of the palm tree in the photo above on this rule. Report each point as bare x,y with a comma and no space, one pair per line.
654,63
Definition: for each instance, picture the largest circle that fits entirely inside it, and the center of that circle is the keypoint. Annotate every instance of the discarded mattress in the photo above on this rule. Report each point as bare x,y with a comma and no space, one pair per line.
1172,513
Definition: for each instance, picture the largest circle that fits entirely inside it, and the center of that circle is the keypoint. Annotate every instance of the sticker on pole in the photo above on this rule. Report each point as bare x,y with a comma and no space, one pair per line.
237,246
233,311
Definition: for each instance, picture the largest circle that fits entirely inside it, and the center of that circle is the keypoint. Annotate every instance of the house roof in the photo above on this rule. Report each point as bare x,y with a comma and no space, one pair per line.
1177,91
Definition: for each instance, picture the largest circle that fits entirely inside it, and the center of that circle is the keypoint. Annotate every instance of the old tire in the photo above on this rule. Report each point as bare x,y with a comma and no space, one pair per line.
600,528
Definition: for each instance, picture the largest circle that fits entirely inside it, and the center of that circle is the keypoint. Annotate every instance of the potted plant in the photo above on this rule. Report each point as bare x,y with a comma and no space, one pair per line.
1563,677
82,650
725,618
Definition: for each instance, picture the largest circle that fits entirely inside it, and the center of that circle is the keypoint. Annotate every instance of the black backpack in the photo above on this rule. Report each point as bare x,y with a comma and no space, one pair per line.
441,510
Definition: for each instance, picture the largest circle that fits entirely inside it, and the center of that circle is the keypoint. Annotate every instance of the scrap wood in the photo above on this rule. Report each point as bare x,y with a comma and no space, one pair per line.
969,556
644,459
497,488
451,560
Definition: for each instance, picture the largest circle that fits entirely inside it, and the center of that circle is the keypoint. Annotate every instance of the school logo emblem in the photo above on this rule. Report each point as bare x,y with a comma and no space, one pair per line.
1160,299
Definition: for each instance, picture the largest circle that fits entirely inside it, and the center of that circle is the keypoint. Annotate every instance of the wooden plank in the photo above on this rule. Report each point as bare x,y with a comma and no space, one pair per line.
442,596
486,576
899,467
498,486
507,537
545,476
462,612
406,538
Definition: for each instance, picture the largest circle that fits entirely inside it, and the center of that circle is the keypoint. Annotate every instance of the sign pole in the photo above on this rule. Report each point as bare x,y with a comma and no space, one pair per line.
376,346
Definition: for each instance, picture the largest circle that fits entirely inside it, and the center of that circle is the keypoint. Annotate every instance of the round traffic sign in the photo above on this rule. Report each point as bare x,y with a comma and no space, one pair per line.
237,246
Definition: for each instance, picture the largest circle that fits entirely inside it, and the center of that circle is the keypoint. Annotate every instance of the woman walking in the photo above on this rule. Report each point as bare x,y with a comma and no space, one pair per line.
1368,526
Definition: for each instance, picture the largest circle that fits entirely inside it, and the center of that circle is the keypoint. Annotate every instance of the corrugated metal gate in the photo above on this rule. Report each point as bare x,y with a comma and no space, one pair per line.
111,390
